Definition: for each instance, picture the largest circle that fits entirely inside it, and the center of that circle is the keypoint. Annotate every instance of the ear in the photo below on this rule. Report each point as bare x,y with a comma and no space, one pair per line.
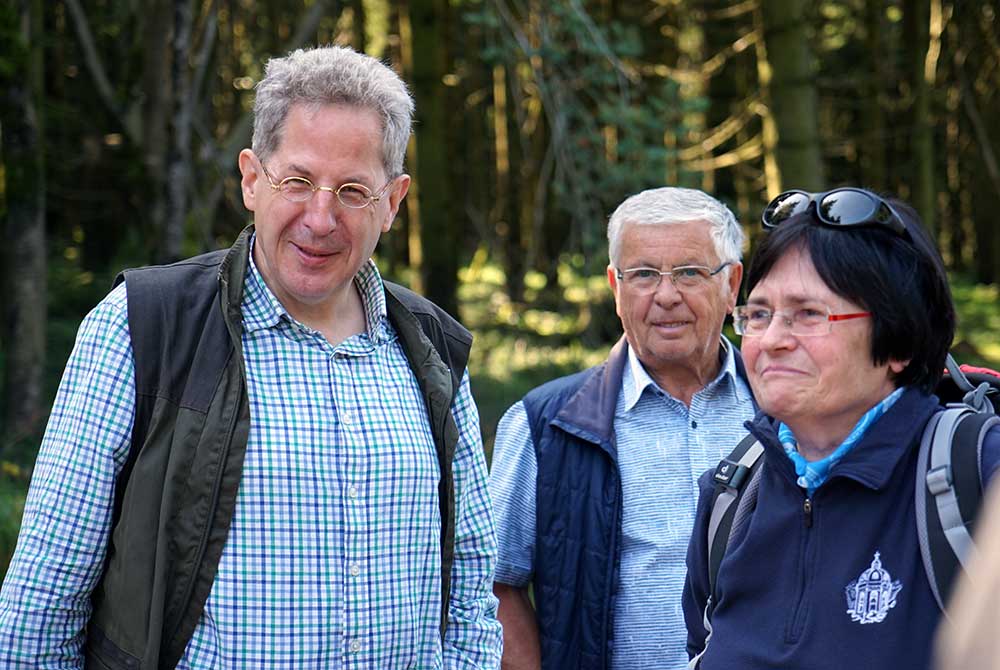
613,283
395,197
248,183
896,367
733,286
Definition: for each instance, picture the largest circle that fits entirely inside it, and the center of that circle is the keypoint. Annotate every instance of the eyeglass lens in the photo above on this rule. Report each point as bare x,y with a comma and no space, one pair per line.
846,207
782,208
648,279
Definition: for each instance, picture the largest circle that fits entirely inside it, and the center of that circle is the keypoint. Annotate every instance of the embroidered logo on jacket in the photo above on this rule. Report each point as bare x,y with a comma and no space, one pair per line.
873,594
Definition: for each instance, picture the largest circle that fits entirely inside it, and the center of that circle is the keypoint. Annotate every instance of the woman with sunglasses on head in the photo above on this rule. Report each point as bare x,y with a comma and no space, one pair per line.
845,332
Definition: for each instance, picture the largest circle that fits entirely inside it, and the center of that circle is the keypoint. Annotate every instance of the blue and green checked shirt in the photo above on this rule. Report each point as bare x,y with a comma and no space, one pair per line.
333,556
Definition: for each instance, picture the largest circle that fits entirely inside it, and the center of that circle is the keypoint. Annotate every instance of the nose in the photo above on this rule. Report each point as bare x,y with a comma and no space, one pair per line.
666,293
321,212
778,334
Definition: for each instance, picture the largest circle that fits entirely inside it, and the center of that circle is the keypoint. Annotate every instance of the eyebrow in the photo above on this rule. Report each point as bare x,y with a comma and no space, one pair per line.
682,264
791,299
302,171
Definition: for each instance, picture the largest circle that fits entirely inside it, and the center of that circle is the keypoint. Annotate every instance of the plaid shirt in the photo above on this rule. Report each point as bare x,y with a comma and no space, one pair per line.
333,556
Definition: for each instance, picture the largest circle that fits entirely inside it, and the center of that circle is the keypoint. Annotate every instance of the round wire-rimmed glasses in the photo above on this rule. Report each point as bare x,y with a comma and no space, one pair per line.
350,194
803,321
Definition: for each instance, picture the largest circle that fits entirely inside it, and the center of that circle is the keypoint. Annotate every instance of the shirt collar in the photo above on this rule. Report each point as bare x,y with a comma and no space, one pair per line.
262,309
636,379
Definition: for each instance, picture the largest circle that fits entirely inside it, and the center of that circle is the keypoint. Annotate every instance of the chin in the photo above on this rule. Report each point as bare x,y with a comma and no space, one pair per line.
776,402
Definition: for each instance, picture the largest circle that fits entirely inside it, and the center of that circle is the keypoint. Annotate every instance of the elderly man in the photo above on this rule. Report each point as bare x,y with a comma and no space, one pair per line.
267,457
594,477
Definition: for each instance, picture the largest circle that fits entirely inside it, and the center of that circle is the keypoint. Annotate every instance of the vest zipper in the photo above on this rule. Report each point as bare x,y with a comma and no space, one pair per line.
796,624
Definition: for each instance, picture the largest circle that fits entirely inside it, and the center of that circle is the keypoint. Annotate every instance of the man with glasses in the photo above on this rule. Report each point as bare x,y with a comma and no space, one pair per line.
268,457
594,475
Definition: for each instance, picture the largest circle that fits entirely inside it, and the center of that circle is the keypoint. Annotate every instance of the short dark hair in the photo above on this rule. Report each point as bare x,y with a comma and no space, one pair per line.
902,282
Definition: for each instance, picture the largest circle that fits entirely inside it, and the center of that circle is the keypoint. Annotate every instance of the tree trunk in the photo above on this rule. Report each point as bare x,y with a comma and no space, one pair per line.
988,181
437,228
179,160
873,138
357,24
155,107
25,294
917,32
792,89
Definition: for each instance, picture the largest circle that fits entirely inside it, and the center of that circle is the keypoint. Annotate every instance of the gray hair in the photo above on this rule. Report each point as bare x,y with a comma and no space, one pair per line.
333,75
668,205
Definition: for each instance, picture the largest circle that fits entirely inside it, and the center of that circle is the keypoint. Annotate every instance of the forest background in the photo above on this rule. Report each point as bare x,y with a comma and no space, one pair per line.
120,122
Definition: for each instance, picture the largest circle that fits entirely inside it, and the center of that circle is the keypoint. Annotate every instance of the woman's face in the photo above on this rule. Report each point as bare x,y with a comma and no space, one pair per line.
819,380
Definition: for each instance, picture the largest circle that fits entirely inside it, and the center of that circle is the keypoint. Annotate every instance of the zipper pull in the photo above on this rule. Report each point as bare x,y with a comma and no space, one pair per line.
807,509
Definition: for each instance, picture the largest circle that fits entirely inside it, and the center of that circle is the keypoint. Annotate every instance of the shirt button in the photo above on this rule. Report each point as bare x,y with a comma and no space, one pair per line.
694,424
355,646
355,569
352,492
345,417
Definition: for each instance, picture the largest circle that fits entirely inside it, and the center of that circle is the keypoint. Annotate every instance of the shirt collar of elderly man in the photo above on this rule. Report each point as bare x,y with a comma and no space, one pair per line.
675,271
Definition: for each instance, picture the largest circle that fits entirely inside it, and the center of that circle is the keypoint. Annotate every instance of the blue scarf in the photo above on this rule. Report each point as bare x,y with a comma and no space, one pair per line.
811,474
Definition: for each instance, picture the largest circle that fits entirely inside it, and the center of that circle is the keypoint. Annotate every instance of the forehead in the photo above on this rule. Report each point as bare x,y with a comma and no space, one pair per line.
793,279
331,133
668,244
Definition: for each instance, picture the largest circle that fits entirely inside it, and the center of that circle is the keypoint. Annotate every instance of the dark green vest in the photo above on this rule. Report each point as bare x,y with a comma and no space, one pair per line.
176,493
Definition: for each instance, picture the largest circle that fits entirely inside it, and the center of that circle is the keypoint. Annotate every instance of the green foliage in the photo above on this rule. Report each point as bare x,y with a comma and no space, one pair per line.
14,52
560,329
605,117
977,341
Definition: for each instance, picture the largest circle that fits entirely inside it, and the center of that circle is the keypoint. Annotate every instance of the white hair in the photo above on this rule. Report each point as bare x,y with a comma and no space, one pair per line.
670,205
333,75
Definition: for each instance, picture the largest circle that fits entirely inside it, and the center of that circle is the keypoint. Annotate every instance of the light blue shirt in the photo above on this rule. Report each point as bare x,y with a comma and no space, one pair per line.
663,447
333,556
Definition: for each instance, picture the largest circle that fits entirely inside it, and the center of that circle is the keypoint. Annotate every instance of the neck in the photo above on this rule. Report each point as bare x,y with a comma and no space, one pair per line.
338,318
683,381
816,442
818,435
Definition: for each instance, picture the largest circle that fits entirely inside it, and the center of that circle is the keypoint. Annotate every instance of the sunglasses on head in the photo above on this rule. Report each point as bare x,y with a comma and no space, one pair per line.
839,208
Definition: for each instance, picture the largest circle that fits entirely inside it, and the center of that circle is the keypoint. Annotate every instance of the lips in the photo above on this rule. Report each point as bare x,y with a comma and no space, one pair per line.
311,254
780,370
670,325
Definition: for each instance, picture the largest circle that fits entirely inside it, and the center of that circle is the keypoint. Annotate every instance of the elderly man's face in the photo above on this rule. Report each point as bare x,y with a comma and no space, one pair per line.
674,331
309,252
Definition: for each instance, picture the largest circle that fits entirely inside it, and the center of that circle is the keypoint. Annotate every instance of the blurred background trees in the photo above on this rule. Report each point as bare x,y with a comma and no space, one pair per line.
120,122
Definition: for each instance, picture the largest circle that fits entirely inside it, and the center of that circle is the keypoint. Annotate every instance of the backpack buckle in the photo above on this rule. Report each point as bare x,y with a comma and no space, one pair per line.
730,473
939,479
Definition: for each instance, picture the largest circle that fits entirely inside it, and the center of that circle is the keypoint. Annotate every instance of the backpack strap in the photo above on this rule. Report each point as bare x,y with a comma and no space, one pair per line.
948,469
982,392
735,491
736,480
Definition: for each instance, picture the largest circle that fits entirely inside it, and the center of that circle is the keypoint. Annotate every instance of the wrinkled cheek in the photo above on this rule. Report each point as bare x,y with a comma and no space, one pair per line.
751,353
774,396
